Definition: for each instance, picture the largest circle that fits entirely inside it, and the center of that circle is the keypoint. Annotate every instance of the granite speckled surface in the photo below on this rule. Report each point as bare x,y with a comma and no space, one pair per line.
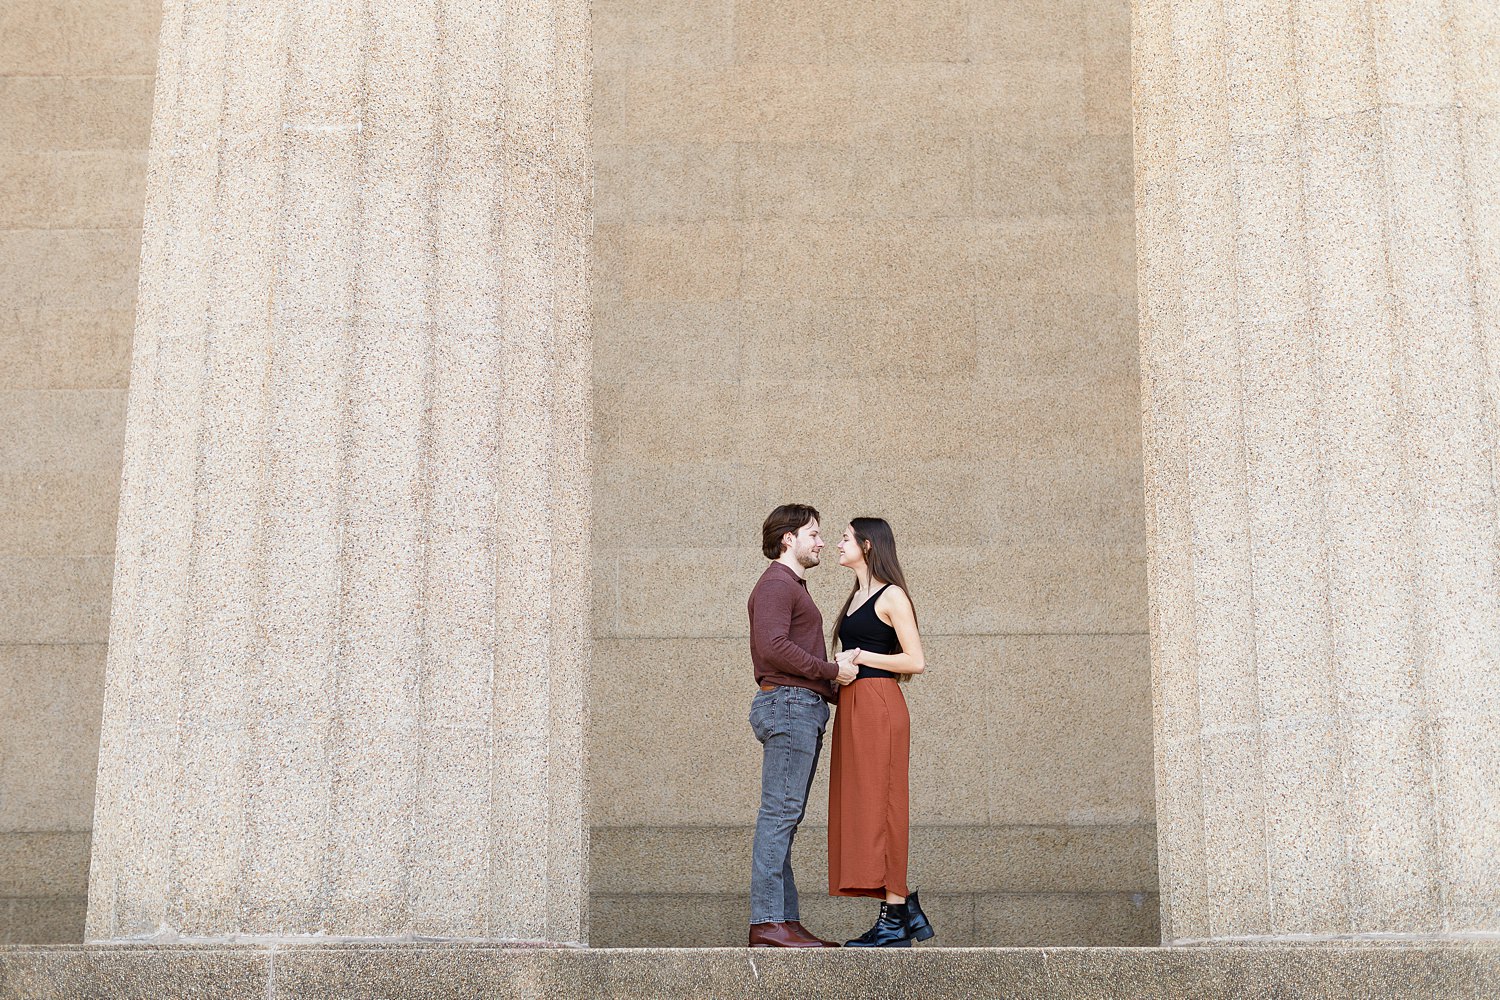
459,972
1317,219
349,641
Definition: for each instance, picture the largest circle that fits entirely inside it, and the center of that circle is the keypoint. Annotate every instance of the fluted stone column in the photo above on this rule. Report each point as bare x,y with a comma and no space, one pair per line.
1318,204
346,681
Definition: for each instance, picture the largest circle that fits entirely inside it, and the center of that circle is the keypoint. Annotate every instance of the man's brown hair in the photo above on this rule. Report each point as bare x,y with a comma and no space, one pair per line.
788,517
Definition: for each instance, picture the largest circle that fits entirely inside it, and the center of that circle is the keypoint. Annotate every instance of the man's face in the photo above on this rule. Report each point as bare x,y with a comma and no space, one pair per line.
807,544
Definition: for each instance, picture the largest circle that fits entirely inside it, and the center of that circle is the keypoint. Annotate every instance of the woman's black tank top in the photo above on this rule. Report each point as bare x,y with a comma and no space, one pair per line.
863,629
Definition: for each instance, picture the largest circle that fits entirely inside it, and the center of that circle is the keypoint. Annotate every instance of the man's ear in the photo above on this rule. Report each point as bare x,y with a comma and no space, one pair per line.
788,541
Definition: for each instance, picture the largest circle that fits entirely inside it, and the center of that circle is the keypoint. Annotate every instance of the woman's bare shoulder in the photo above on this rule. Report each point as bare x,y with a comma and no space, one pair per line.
894,597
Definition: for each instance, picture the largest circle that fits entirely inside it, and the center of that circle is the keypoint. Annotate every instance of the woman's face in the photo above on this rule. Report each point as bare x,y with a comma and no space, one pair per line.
850,554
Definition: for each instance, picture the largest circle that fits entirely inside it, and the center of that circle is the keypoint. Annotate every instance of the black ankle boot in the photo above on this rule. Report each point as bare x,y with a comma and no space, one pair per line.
917,924
889,930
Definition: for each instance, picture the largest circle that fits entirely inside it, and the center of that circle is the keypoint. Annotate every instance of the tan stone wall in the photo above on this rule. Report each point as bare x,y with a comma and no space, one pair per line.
75,103
876,256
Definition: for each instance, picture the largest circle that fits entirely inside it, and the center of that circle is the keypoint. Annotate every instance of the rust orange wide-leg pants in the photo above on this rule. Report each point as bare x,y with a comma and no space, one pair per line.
868,797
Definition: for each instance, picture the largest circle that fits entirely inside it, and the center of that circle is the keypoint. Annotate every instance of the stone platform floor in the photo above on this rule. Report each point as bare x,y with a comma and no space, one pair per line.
454,971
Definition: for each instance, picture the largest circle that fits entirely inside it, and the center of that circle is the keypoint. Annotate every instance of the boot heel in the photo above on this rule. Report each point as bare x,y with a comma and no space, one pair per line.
917,924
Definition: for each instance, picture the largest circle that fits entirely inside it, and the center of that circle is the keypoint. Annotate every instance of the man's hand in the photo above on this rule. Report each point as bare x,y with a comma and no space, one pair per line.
847,670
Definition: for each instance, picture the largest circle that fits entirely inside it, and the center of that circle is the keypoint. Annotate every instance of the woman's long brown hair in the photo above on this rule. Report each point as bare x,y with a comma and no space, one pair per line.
884,566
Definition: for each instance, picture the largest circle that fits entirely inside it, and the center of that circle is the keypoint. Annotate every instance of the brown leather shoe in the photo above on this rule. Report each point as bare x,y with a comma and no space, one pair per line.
797,925
784,935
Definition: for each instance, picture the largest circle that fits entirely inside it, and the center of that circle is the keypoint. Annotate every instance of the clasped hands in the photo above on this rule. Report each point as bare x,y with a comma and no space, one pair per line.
847,668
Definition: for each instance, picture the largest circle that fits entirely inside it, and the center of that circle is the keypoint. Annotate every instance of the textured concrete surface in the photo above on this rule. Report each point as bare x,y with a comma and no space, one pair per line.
348,646
1319,247
877,256
75,102
458,972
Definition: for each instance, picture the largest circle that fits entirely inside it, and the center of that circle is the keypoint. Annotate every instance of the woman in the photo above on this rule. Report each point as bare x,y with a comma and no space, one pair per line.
867,793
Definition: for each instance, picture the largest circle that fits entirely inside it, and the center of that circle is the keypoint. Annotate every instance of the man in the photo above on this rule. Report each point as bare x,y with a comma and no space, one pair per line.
797,684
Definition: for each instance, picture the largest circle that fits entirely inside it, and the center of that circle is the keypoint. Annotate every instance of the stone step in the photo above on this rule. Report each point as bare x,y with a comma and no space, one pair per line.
962,920
686,886
985,886
643,920
461,972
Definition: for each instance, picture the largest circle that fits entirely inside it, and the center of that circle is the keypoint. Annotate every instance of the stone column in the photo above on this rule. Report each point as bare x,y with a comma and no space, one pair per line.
346,679
1318,204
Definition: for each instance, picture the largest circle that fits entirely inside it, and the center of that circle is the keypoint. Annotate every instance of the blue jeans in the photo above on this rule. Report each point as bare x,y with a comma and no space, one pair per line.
789,723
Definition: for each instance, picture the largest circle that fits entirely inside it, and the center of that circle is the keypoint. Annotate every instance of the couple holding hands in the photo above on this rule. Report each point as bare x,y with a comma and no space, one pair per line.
876,632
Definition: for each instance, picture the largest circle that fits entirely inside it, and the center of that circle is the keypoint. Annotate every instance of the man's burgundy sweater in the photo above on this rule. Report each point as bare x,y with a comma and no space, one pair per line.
786,634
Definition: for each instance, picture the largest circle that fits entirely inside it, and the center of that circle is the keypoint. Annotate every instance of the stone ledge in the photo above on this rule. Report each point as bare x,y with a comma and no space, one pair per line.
49,920
963,920
463,971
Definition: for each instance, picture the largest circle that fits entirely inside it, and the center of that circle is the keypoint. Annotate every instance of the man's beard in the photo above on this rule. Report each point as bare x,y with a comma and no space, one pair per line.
809,560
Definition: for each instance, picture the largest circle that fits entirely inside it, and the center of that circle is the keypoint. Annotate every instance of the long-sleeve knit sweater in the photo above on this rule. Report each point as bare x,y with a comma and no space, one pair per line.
786,634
